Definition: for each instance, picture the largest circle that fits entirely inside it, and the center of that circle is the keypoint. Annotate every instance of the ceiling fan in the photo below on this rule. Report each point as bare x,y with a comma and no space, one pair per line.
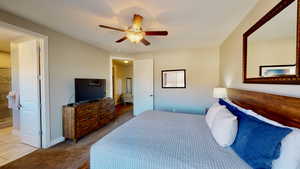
135,32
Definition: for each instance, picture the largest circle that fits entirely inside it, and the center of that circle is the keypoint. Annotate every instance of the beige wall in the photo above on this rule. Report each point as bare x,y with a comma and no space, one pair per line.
4,60
68,59
202,68
73,60
270,52
231,56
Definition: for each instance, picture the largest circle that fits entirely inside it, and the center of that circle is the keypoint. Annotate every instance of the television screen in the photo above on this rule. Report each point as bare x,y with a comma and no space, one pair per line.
89,89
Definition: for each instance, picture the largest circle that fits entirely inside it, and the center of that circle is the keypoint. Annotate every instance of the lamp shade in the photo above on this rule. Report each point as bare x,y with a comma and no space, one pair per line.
220,93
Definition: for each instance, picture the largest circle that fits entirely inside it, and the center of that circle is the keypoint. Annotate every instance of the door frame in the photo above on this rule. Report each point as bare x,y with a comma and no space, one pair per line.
111,58
44,85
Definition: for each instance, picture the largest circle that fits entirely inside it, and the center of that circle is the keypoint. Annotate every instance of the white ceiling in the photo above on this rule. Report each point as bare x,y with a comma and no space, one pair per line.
6,36
191,23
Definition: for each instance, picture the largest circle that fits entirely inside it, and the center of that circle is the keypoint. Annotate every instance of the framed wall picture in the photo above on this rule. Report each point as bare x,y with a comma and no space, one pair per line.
277,70
173,78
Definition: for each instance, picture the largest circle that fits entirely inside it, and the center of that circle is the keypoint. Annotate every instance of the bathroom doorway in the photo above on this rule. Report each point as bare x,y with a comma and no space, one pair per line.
23,100
122,75
5,83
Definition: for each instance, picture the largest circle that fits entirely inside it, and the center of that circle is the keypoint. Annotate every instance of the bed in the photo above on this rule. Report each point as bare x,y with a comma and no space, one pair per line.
165,140
176,141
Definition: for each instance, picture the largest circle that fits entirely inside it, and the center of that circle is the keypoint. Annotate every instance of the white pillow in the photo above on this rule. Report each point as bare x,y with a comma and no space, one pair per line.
215,105
211,113
224,128
289,152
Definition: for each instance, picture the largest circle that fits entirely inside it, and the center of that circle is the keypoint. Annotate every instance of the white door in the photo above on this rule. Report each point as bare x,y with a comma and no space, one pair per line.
30,123
142,85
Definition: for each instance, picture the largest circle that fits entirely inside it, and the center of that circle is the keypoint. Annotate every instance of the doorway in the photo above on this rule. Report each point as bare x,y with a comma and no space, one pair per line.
141,82
122,83
22,97
5,83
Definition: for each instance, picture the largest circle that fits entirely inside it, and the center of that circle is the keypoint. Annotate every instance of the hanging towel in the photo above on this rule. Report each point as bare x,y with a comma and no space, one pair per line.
13,100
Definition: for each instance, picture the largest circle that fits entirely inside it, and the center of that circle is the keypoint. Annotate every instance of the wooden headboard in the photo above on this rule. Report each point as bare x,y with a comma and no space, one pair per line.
283,109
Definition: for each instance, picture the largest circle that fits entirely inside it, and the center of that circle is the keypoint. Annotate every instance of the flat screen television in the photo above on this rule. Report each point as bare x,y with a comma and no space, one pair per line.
89,89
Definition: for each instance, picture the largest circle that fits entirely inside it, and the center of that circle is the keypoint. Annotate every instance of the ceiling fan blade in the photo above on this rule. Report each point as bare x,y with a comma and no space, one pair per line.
145,42
137,21
121,40
156,33
112,28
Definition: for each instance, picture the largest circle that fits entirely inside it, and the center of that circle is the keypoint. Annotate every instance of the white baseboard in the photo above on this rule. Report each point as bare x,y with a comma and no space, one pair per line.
56,141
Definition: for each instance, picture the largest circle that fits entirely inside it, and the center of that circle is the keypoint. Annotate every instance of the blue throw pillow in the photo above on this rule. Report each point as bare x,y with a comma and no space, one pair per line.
257,142
245,128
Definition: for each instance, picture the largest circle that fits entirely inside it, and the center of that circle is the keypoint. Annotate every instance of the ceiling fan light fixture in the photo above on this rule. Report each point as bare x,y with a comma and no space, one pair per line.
135,32
135,37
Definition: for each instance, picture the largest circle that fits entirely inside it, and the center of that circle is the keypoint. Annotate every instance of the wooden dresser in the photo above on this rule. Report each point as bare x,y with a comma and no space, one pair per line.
82,119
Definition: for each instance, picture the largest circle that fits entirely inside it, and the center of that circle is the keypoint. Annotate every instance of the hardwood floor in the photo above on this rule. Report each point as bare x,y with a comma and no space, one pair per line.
11,147
68,155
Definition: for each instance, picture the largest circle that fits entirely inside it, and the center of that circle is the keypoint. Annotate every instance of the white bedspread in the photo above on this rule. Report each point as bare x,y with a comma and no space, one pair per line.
163,140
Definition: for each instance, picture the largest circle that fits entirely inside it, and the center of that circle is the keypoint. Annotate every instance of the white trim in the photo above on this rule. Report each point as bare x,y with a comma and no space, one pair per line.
45,93
45,97
111,58
56,141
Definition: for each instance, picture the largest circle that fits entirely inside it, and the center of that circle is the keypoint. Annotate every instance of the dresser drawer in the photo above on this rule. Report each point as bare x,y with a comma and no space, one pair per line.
105,121
84,127
91,123
106,104
87,116
82,119
84,110
107,114
107,109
